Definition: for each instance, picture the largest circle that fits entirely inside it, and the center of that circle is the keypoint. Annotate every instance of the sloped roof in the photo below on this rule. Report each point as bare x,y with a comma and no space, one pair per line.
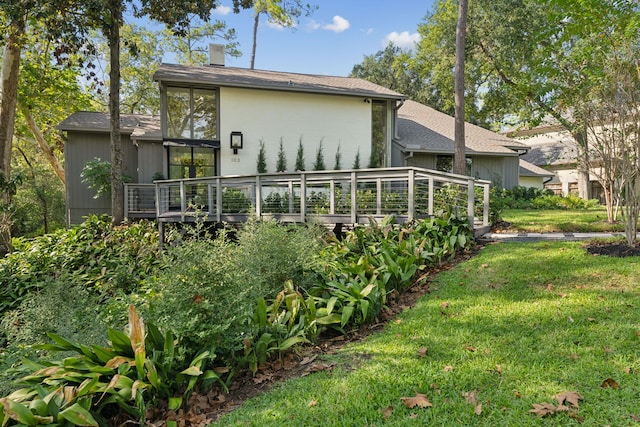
424,129
552,153
272,80
528,169
141,127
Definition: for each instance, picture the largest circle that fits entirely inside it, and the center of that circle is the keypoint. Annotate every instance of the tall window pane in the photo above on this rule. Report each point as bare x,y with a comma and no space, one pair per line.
204,114
378,134
178,113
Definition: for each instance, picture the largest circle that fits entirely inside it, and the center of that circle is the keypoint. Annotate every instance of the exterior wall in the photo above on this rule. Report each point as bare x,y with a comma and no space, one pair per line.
269,116
80,148
503,171
152,160
531,181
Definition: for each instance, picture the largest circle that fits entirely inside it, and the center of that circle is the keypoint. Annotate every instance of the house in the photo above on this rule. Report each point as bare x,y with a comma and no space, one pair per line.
214,119
553,149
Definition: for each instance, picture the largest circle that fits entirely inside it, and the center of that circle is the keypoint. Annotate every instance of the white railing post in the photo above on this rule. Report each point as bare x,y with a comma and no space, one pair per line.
218,200
258,196
471,202
431,197
210,204
292,195
354,197
411,194
332,198
485,214
303,197
126,201
378,196
183,199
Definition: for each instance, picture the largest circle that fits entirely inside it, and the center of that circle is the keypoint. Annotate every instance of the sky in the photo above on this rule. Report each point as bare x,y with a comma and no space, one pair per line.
337,36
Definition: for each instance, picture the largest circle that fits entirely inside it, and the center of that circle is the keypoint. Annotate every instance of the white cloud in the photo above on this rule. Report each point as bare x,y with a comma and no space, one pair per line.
222,10
403,40
338,25
313,25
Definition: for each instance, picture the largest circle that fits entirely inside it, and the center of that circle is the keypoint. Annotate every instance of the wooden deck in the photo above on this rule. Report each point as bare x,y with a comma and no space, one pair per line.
328,197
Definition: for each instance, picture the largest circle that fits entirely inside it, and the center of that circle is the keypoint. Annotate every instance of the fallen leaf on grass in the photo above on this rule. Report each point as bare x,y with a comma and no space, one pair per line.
420,400
635,418
472,398
478,409
470,348
571,397
610,383
312,403
448,368
422,351
543,409
386,412
308,359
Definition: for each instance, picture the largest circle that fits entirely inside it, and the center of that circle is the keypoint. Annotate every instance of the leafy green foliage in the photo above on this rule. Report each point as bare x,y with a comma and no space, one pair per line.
96,174
281,165
262,159
534,198
300,157
94,254
139,368
318,165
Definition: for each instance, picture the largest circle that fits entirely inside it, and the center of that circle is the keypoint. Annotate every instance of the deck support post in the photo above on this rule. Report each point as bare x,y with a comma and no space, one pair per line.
471,202
485,213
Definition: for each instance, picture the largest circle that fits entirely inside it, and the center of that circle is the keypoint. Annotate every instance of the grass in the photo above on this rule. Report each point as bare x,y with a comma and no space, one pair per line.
517,324
559,220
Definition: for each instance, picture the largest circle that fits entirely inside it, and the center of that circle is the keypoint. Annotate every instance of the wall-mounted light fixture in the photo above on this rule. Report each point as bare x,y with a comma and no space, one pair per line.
236,141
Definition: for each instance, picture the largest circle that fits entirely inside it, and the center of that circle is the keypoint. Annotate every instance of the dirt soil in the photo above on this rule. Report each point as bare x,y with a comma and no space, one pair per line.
613,249
203,409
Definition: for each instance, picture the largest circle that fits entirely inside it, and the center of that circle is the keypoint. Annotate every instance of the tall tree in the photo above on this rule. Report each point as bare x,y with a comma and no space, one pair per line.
280,12
459,166
390,68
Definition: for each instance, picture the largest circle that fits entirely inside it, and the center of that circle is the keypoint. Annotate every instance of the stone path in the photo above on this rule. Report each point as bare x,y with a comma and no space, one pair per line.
524,237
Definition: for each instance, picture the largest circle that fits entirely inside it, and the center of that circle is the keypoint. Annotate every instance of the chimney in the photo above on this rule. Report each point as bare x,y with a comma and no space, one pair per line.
216,54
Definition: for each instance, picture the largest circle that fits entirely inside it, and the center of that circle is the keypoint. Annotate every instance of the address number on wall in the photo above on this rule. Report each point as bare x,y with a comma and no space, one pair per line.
235,159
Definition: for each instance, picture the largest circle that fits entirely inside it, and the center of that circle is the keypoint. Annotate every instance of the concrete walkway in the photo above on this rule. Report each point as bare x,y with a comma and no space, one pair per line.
527,237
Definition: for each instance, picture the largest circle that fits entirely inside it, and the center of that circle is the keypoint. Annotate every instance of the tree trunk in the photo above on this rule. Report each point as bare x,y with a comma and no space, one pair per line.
8,103
256,21
42,143
460,166
584,185
117,189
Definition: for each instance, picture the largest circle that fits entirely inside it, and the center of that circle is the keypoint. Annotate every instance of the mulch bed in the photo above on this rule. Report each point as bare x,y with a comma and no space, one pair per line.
613,249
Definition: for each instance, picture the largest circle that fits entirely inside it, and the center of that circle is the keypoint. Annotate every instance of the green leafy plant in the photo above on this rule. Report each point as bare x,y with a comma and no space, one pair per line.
138,368
96,174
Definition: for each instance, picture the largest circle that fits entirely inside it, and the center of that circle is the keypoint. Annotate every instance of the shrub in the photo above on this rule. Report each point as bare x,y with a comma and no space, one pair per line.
95,254
213,285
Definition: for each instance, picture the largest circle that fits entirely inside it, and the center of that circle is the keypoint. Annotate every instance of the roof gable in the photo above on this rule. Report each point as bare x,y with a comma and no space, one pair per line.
271,80
140,126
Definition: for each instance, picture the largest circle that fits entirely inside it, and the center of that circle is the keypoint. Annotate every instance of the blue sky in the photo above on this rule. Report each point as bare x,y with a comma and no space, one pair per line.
332,40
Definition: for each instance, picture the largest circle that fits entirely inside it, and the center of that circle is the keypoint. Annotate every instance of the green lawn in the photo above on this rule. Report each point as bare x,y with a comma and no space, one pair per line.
516,325
559,220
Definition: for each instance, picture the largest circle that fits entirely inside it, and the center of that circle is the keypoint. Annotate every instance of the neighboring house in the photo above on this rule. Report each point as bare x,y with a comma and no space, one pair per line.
553,149
214,119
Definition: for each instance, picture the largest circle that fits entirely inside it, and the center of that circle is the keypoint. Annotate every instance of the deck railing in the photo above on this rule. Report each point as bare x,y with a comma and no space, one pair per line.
349,197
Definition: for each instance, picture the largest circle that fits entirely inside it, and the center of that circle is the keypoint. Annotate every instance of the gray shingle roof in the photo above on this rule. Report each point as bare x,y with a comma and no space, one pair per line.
274,80
552,154
528,169
139,126
424,129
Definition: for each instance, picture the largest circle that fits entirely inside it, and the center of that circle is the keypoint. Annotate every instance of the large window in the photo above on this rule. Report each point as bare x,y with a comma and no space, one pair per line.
445,164
191,162
192,114
378,134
